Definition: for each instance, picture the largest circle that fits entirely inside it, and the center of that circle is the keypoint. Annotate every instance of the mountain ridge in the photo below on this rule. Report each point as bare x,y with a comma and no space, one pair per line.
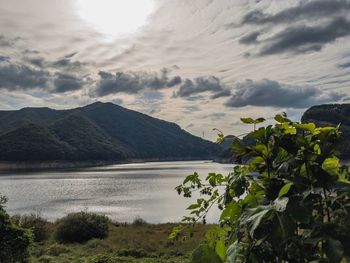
95,132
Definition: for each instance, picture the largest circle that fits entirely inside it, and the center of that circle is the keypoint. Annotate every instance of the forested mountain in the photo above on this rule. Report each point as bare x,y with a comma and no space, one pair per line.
100,131
333,114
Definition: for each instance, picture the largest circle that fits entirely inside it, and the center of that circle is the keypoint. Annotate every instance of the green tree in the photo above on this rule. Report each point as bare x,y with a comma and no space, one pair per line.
290,201
14,240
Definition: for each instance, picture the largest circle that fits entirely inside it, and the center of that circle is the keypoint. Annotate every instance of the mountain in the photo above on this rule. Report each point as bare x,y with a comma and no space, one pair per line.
332,115
97,132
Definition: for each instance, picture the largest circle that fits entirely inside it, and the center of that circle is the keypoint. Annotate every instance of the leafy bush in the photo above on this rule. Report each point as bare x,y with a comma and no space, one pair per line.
14,240
138,221
133,252
38,225
81,227
57,249
103,259
290,203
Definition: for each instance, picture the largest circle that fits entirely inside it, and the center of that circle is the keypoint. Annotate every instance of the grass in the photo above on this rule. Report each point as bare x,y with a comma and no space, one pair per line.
134,243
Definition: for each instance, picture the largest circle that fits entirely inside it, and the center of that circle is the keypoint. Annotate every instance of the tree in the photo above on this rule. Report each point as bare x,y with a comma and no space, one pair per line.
14,240
290,202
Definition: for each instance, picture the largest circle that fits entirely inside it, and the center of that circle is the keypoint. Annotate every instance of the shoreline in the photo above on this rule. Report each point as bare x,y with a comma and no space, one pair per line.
6,166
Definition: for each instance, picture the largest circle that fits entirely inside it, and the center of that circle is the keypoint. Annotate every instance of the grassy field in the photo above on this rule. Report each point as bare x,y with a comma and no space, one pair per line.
138,242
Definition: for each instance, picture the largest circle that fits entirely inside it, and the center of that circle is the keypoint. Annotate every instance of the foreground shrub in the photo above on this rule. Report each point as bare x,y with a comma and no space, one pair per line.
57,249
38,225
289,203
81,227
132,252
103,259
138,221
14,240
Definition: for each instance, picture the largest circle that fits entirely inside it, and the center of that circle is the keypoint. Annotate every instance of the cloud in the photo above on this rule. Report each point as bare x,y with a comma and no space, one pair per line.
4,58
67,63
215,116
26,77
268,93
301,39
212,84
344,65
191,108
7,42
35,61
250,38
64,82
21,77
133,82
306,10
118,101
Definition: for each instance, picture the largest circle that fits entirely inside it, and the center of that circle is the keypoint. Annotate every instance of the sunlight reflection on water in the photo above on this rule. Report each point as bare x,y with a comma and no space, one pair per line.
123,192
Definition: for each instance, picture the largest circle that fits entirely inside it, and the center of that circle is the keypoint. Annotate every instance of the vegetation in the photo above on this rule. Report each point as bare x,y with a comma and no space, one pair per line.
332,115
125,243
290,203
38,225
81,227
14,240
97,132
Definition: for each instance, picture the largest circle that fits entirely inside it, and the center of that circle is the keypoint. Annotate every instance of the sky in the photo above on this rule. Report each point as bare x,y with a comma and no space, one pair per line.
203,64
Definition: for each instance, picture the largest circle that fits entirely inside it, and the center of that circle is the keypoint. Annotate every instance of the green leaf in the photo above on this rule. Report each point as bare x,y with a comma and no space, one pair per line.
238,148
331,166
193,206
279,118
259,120
253,217
247,120
220,249
305,126
285,189
231,212
235,253
334,250
205,254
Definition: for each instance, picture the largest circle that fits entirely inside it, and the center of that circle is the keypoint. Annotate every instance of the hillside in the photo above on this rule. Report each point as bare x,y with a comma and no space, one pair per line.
333,114
97,132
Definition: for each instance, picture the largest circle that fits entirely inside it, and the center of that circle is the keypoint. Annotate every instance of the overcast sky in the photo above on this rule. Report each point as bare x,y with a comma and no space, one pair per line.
201,63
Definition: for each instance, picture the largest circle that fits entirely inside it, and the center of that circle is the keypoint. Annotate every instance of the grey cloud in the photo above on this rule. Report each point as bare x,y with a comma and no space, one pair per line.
4,58
71,55
250,38
223,93
303,39
174,81
7,42
16,77
133,82
199,85
36,61
272,93
66,82
67,63
305,10
344,65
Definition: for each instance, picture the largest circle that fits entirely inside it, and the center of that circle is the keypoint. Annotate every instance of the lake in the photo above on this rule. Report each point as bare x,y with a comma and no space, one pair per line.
123,192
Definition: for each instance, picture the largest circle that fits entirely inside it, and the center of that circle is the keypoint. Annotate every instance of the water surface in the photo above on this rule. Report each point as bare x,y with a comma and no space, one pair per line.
123,192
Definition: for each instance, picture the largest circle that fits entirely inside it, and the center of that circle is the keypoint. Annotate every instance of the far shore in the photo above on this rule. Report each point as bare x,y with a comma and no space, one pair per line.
47,165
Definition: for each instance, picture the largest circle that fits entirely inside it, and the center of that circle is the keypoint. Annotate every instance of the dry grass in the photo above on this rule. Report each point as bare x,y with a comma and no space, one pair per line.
125,243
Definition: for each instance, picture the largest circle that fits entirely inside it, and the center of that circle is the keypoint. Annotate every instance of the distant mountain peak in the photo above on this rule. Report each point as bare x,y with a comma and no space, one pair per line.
98,131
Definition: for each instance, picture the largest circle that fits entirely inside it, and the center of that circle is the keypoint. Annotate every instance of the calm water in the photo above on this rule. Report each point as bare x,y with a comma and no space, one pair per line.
123,192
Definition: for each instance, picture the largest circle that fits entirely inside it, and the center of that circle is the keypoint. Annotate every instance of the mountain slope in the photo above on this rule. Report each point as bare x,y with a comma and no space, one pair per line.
100,131
333,114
